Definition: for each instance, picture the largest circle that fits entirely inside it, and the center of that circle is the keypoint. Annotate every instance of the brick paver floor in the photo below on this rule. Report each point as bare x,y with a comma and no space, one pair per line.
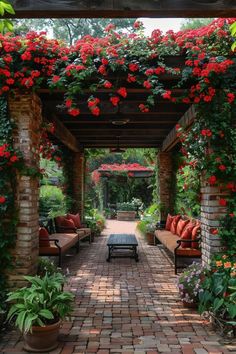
127,307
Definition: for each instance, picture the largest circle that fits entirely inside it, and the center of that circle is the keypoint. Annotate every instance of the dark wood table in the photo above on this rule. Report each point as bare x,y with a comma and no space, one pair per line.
118,242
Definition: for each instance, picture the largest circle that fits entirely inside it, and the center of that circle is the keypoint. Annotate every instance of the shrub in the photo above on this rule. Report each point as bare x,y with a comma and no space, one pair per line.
52,202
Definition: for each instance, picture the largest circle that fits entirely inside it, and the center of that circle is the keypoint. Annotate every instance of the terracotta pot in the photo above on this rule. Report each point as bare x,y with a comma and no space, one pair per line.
42,339
150,238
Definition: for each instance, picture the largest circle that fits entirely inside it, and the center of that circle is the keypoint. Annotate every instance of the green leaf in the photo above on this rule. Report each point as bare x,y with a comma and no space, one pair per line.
217,304
46,314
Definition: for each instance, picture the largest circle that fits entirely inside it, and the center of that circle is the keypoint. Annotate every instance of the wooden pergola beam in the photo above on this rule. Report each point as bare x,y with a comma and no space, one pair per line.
124,8
64,135
172,139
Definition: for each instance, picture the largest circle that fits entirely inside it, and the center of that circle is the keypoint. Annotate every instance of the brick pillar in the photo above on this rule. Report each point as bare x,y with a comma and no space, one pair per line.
79,183
25,110
211,213
165,175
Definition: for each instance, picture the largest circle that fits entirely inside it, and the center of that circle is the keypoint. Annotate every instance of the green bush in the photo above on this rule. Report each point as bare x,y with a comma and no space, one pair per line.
149,219
52,202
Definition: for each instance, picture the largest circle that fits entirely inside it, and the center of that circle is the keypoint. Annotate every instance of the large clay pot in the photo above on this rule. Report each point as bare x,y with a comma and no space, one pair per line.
42,339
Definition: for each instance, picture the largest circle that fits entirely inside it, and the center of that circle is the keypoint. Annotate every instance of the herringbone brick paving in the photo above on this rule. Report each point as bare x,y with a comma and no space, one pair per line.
127,307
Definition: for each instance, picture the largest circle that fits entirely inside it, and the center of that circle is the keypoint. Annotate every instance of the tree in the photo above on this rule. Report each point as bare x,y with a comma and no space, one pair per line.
192,23
71,29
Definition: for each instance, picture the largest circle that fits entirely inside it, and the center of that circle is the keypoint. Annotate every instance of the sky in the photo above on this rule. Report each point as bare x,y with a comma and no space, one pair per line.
164,24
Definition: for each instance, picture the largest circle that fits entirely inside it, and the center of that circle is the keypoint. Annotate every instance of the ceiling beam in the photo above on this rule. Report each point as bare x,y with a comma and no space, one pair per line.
172,139
124,8
64,135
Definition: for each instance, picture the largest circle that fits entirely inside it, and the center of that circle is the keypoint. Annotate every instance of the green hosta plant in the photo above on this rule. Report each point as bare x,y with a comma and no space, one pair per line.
42,303
218,298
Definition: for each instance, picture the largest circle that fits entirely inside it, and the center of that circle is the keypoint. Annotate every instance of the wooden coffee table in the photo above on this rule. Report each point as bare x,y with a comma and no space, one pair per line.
122,242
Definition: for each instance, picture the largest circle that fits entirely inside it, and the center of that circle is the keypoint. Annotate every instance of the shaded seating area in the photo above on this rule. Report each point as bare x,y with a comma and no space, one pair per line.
181,237
61,234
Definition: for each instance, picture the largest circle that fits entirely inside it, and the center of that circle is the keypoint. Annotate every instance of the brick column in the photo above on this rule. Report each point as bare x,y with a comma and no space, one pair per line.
25,110
211,213
165,178
79,183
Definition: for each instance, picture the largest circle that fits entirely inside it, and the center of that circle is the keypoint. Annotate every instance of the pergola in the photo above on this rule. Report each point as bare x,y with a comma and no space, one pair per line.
125,122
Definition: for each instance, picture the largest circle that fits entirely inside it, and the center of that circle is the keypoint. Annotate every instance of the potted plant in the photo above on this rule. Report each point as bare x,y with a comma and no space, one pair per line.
38,310
218,297
190,284
126,211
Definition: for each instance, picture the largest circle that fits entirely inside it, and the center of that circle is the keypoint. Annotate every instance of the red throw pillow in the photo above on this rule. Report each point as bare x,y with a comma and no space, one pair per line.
174,224
62,221
195,234
43,237
180,226
187,235
169,221
76,219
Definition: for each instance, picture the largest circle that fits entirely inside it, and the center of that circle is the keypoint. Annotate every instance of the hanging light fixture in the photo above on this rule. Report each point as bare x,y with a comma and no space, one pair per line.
119,119
117,149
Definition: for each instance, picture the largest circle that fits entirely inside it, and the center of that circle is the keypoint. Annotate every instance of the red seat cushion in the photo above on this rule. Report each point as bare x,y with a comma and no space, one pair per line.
169,221
187,235
76,219
43,237
180,226
195,234
174,224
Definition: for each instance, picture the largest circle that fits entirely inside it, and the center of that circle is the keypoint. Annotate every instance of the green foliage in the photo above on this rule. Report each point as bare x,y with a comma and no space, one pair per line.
95,221
233,32
193,23
52,201
187,190
218,297
5,24
45,266
43,302
149,219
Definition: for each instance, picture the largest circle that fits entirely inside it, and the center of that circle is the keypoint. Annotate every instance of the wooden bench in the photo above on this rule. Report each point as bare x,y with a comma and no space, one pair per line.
82,232
59,244
173,242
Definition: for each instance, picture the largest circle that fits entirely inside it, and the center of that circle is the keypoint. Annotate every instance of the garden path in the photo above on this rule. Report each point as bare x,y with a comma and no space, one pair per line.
127,307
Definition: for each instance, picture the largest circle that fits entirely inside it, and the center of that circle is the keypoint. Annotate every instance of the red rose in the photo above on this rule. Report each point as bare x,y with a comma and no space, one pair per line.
14,158
74,112
55,78
230,97
133,67
107,84
222,167
115,100
122,91
212,180
167,95
95,111
2,199
143,108
68,103
223,202
147,84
